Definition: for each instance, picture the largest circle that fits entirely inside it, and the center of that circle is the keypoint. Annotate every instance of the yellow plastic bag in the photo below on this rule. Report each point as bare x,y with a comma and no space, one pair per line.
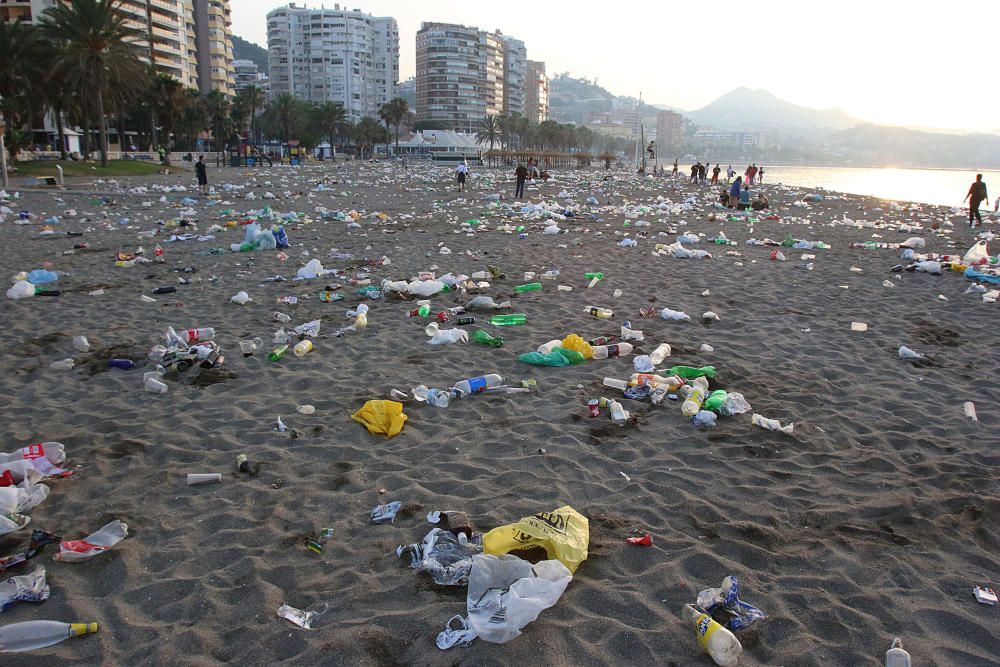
563,533
381,417
575,342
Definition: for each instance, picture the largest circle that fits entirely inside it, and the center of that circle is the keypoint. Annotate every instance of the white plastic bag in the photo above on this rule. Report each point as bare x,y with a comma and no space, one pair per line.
506,593
669,314
425,288
21,290
977,254
313,269
447,336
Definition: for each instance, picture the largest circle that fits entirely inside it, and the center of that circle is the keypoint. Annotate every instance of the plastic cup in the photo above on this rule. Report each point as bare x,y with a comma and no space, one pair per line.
198,479
155,386
248,347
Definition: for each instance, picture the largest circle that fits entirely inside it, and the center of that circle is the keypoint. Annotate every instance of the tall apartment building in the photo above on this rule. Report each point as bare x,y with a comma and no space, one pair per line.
333,55
669,133
214,44
515,76
246,73
190,40
465,74
536,93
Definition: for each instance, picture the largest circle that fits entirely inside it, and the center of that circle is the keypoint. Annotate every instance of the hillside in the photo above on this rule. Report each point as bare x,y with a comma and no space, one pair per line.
570,98
878,144
244,50
746,109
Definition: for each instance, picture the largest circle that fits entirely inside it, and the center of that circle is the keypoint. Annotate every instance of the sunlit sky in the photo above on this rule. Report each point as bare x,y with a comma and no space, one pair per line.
926,64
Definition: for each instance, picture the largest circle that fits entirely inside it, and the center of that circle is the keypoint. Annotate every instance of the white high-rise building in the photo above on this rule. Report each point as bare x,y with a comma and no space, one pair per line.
515,74
333,55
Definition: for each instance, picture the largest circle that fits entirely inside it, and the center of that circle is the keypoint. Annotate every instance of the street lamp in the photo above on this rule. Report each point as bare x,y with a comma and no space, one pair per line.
3,155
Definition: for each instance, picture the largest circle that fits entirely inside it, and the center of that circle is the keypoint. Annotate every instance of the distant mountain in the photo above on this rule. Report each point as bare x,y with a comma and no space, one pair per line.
746,109
244,50
900,146
570,98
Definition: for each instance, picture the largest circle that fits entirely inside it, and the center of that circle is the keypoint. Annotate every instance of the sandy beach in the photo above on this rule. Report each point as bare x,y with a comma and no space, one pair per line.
873,519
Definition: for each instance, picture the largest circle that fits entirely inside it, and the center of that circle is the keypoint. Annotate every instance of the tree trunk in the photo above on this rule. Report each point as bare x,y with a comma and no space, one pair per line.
85,139
61,129
102,119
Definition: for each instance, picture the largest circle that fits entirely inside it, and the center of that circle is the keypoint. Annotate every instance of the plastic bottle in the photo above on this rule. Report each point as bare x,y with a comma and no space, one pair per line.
896,656
75,551
197,335
619,415
508,320
478,384
530,287
611,351
661,352
600,340
361,317
696,396
690,373
718,642
278,352
482,337
31,635
672,382
547,348
281,317
594,277
715,400
302,348
599,313
423,311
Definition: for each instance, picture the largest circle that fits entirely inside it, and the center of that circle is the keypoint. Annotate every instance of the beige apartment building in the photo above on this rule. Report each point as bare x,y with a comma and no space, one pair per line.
536,94
191,40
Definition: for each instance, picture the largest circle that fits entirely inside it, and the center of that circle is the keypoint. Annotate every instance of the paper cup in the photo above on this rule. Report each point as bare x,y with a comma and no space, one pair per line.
198,479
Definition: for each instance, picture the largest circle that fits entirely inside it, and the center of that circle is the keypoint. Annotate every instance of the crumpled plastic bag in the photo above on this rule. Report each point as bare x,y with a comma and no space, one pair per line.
441,554
726,598
27,588
22,289
379,416
564,533
312,269
977,254
506,593
577,343
558,357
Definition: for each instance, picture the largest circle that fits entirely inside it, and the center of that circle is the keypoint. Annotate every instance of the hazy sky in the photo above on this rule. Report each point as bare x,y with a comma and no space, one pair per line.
923,63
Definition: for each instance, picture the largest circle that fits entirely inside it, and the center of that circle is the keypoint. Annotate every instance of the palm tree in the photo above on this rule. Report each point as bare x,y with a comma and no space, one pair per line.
394,112
167,96
367,133
285,113
253,98
193,117
490,131
96,52
330,119
218,107
20,51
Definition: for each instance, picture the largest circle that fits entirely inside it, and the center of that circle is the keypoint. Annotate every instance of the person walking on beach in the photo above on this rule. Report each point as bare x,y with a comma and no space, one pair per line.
702,170
521,174
201,171
674,173
695,168
461,173
976,195
715,175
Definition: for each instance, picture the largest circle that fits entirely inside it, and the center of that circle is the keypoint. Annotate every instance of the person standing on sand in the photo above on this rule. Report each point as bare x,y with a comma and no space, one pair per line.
674,173
521,174
760,176
201,171
715,175
461,173
702,170
734,191
730,172
976,195
694,172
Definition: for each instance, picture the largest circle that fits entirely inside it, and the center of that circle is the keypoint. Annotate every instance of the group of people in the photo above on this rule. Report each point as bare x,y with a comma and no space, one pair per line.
739,197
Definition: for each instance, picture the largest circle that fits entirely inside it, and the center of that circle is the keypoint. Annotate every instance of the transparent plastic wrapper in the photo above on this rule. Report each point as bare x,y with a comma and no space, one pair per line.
444,555
771,424
76,551
486,303
25,588
312,269
506,593
726,597
301,617
385,513
448,336
734,404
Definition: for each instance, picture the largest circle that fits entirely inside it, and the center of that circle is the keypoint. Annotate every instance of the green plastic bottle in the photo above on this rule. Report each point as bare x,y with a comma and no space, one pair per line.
594,274
715,400
278,352
530,287
247,246
690,372
508,320
482,337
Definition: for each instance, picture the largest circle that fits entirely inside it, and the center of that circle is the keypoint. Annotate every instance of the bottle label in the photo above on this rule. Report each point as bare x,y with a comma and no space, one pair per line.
80,546
477,384
706,628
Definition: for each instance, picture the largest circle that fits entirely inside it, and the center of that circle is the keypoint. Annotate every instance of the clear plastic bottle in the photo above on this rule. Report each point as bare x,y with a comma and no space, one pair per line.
478,384
695,397
31,635
599,313
611,351
302,348
192,336
661,352
547,348
718,642
896,656
75,551
619,415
